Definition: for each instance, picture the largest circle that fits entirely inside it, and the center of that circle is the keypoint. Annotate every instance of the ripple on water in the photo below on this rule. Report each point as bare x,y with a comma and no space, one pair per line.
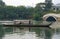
28,35
55,36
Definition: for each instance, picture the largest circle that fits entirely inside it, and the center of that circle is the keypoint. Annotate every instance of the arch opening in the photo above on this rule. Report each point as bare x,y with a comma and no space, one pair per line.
51,19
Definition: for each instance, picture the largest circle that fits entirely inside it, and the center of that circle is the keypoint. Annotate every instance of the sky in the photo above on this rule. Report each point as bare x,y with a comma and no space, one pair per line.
26,2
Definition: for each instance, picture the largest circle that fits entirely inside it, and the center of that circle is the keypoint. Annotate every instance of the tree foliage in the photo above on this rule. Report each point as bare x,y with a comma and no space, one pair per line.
2,3
22,12
11,13
48,6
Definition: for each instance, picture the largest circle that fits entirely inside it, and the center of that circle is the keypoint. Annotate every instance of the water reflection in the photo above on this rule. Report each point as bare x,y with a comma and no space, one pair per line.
1,31
48,34
45,33
28,33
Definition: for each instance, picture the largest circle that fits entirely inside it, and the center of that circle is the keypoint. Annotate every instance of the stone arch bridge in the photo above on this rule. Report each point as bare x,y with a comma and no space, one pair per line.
51,17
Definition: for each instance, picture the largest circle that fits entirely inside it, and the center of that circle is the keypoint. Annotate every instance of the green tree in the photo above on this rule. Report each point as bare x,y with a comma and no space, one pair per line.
48,6
2,3
38,13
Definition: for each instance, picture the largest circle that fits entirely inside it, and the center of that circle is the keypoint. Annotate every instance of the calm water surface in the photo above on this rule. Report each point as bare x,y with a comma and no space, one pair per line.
29,33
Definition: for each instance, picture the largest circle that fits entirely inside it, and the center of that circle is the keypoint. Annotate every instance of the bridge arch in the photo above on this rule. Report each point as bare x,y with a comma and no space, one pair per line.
51,17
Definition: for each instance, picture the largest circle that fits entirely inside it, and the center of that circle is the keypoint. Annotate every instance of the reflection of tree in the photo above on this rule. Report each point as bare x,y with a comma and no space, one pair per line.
39,31
1,32
48,34
44,33
57,31
9,29
36,30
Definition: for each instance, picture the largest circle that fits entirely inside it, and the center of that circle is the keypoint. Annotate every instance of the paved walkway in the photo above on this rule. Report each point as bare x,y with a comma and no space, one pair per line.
55,25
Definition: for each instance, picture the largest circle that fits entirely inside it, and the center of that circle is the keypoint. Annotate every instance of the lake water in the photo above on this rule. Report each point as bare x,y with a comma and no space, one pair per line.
29,33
